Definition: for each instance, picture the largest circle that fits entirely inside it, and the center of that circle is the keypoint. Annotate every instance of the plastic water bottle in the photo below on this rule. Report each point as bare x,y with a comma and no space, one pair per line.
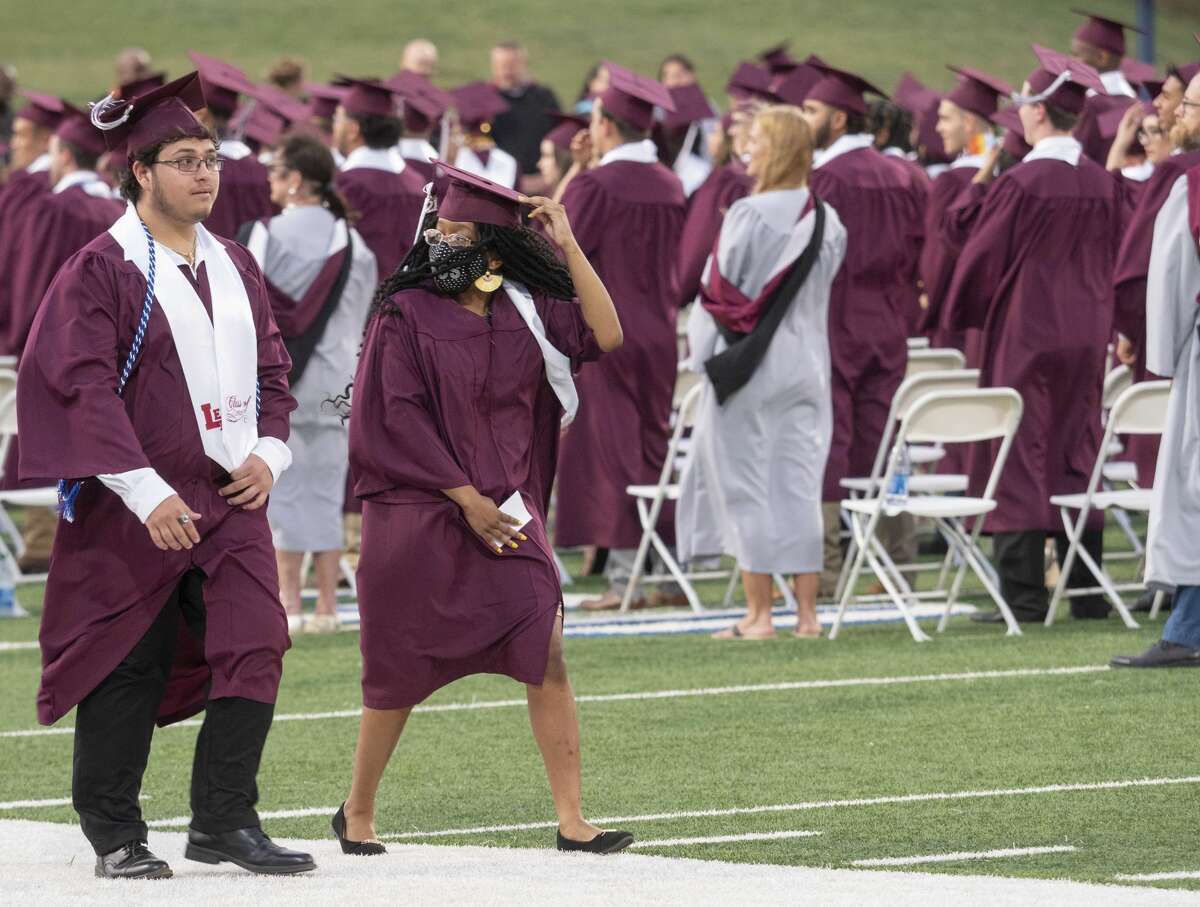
896,498
8,588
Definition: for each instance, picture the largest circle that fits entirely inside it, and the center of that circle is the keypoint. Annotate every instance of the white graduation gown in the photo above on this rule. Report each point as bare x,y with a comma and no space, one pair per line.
752,486
1172,320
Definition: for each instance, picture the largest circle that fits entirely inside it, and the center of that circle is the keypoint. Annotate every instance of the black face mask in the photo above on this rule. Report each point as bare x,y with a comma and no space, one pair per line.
455,269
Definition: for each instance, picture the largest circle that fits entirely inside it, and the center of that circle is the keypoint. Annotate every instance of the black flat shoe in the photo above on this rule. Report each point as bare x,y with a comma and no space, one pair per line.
1162,654
132,861
1145,602
248,848
605,842
354,848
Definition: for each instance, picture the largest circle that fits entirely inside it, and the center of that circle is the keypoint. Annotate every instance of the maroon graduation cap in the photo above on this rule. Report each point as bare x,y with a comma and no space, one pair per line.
1102,32
841,89
750,82
222,82
691,106
977,91
633,97
43,109
76,127
1138,72
1109,111
280,103
264,126
141,85
478,103
368,97
323,100
567,126
466,198
1062,81
922,102
777,59
424,102
147,119
793,86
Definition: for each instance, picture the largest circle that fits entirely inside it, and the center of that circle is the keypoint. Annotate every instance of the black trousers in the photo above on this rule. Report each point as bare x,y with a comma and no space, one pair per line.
115,722
1021,563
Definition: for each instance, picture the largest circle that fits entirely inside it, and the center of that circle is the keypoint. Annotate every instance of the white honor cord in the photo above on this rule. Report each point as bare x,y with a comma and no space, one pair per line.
1019,99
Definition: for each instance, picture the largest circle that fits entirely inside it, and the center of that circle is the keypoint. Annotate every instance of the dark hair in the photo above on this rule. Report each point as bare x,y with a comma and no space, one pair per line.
676,58
855,122
286,72
131,189
84,160
1059,118
625,129
585,90
884,116
309,157
378,131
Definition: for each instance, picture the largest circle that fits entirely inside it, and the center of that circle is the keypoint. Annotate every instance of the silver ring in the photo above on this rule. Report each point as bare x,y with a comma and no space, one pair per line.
183,519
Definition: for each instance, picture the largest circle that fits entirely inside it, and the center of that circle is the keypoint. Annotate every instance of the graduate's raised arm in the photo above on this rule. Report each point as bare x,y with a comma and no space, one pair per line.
597,305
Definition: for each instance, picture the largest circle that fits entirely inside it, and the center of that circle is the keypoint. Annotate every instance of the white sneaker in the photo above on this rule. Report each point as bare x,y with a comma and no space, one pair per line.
322,623
295,624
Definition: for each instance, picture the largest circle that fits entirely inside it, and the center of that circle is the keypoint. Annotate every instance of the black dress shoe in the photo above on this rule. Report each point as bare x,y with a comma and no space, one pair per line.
605,842
354,848
1162,654
248,848
132,861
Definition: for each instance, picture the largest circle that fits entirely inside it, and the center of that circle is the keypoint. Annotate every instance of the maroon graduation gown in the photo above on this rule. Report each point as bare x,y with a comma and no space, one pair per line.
244,195
1129,284
388,206
107,580
627,217
940,252
1036,276
705,213
18,199
871,301
442,399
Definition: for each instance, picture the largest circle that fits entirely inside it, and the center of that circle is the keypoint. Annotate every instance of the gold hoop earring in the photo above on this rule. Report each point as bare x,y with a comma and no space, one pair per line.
488,283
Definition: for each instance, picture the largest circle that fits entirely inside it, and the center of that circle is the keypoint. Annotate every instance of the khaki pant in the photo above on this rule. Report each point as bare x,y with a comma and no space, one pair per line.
897,534
40,525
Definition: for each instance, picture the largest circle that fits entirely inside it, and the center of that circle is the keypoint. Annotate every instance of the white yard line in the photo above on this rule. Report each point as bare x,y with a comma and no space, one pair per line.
727,839
1015,673
817,804
18,646
1159,876
184,821
964,855
35,804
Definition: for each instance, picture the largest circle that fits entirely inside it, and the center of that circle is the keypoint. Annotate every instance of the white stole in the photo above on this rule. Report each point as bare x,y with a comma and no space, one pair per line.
558,366
219,355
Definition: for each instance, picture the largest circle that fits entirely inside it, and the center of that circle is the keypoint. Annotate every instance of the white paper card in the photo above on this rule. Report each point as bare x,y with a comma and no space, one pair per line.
515,508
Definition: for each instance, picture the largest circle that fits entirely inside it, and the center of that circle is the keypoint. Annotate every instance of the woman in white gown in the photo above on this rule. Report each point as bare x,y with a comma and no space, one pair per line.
752,487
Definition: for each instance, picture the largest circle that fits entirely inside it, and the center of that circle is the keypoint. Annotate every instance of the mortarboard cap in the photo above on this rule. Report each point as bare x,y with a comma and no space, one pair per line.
841,89
793,86
368,97
135,87
76,127
264,126
279,102
1138,72
750,82
323,100
222,82
424,103
633,97
1102,32
922,102
478,103
777,59
139,122
1109,111
1062,81
467,198
1014,132
1185,72
691,106
43,109
977,91
567,126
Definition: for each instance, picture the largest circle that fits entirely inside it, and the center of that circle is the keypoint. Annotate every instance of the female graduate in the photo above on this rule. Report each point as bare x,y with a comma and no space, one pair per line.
464,378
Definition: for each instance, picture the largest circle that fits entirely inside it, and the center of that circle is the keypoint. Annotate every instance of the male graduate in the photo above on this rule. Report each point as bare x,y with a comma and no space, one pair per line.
374,179
627,213
1100,43
154,385
1036,277
963,125
874,298
245,188
424,107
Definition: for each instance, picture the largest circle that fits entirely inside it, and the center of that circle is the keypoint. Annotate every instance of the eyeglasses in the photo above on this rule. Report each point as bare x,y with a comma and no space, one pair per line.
453,240
1184,102
192,164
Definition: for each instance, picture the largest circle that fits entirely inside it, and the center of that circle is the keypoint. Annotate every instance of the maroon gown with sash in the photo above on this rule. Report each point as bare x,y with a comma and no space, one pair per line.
445,398
1129,284
627,217
705,213
870,307
107,579
1036,277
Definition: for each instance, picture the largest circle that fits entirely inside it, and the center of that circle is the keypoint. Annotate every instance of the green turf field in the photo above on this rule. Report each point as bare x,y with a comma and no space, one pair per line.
816,750
67,46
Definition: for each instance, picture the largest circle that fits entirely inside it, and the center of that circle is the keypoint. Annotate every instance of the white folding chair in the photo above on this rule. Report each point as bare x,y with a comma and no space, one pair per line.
911,389
1141,409
956,416
937,359
12,544
918,343
1119,472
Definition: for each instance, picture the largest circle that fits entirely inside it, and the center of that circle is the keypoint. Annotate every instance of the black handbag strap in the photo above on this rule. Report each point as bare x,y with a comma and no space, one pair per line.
730,369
